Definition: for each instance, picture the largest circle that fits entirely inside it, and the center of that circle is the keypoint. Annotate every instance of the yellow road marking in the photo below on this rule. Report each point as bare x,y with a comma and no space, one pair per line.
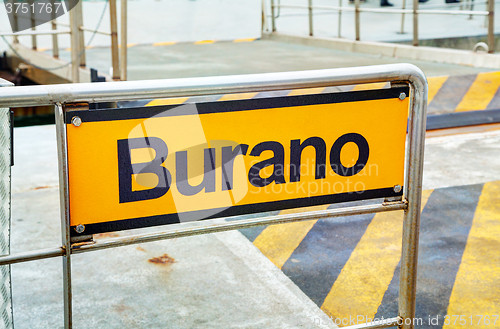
202,42
232,97
476,286
168,43
279,241
310,91
245,40
370,86
435,83
481,92
167,101
363,281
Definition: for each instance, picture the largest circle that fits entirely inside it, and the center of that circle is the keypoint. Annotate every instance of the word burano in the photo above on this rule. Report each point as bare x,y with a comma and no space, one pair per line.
255,175
171,164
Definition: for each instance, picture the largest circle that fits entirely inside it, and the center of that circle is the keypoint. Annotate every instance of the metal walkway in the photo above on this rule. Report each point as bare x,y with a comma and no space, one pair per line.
336,261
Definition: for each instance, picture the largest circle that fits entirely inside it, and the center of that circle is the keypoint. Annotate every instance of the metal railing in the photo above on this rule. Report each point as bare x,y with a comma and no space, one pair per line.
396,74
415,11
76,31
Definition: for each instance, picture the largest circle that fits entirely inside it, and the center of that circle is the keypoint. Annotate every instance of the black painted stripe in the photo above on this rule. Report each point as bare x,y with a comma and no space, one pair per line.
451,93
167,219
236,105
317,262
445,225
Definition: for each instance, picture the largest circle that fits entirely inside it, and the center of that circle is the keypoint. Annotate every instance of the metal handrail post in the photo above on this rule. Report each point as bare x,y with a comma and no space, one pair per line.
491,26
412,193
403,18
273,20
265,26
16,23
62,151
123,42
340,19
75,45
114,40
81,38
33,26
5,215
415,22
55,43
310,18
356,18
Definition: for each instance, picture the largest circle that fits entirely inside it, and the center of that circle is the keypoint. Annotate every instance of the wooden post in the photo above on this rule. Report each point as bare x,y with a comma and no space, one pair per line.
114,40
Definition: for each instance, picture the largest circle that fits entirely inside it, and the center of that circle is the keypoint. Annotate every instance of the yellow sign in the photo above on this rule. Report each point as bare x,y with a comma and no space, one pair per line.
139,167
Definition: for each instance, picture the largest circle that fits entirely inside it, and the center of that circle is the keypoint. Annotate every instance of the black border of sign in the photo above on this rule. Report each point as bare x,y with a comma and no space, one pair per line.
230,106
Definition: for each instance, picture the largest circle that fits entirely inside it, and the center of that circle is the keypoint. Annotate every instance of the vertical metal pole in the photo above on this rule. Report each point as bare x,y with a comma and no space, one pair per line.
403,18
75,47
491,26
114,40
340,19
356,18
123,42
16,22
81,40
265,27
273,20
55,43
62,151
33,25
5,211
310,18
413,194
415,23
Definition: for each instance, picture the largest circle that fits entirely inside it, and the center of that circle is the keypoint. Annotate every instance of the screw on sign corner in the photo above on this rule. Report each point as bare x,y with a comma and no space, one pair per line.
397,188
76,121
402,96
80,228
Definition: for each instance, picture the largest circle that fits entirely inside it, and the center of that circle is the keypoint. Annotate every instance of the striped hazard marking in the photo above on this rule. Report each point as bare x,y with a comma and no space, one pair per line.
350,266
447,94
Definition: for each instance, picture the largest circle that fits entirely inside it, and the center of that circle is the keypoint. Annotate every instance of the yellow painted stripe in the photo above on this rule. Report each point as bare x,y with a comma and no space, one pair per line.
245,40
310,91
435,83
232,97
167,101
202,42
481,92
363,281
279,241
42,49
476,290
370,86
168,43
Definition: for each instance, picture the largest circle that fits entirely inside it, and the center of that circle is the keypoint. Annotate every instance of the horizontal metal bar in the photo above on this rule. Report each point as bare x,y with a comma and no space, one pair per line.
236,225
400,11
394,10
453,12
385,323
82,28
293,6
188,87
31,255
47,32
